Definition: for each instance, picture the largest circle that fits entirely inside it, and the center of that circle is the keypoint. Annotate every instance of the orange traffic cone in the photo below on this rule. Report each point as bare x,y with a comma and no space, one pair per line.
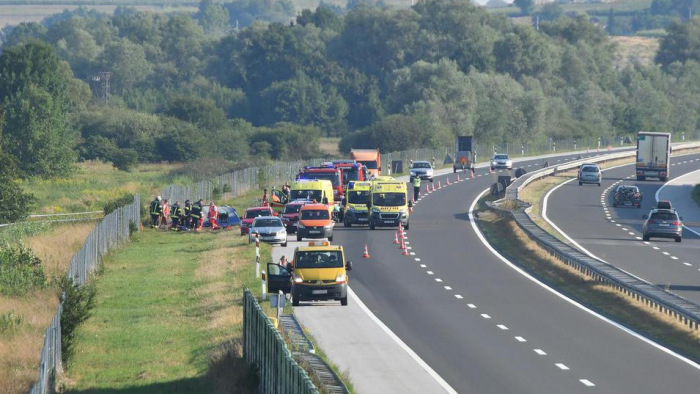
472,172
405,250
427,189
439,185
458,180
433,186
396,237
366,255
490,170
447,181
403,245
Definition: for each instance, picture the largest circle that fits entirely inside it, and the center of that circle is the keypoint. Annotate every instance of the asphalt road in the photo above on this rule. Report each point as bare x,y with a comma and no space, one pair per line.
615,234
479,323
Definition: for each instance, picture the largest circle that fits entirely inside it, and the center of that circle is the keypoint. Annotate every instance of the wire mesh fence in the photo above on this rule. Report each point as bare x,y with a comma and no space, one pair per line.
112,231
264,347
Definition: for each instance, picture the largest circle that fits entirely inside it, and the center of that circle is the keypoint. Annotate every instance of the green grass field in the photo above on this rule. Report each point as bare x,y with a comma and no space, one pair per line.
168,317
95,183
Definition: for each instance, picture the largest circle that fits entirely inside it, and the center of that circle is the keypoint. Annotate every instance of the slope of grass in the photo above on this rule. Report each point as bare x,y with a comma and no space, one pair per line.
696,194
96,183
20,348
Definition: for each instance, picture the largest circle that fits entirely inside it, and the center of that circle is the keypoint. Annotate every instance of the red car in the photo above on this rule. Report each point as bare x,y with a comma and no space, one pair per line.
290,215
252,213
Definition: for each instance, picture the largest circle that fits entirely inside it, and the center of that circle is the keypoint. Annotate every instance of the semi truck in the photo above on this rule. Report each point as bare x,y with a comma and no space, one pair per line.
464,158
653,155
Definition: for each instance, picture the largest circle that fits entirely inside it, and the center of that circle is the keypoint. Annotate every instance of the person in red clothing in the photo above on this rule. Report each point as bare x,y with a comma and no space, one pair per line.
265,198
213,216
166,213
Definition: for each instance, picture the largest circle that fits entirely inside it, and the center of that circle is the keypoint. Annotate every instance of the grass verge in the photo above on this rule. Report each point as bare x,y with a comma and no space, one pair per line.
696,194
20,347
506,237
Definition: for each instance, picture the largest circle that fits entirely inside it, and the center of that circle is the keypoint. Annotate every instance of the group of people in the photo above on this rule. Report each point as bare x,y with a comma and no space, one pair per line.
275,198
186,217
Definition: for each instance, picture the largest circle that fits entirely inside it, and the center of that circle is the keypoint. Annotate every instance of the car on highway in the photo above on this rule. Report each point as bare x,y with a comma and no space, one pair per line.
664,204
319,272
589,173
421,169
315,221
251,214
662,223
290,215
500,160
270,229
627,196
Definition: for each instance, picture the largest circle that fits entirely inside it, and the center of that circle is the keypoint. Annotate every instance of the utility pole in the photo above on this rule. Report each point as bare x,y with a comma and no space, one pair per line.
103,77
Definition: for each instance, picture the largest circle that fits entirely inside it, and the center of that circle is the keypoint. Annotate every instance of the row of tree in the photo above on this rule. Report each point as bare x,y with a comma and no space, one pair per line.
188,86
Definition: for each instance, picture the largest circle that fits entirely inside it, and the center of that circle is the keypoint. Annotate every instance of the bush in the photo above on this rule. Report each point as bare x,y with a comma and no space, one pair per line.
125,159
113,205
9,322
15,203
20,271
78,302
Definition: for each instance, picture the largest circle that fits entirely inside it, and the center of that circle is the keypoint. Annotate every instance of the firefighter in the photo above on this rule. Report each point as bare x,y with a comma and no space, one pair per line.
155,211
416,187
265,201
176,213
196,215
187,221
165,208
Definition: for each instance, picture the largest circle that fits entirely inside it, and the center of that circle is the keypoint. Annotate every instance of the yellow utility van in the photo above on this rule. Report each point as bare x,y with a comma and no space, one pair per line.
355,203
318,190
319,272
388,204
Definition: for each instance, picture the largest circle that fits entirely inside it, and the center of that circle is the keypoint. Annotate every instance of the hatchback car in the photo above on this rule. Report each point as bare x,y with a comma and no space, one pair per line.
501,161
251,214
270,230
589,173
662,223
422,169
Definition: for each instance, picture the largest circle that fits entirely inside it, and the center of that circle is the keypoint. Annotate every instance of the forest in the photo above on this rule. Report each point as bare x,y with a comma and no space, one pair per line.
238,81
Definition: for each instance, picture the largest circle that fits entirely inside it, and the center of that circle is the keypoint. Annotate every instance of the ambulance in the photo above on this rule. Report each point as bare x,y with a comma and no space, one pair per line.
355,203
388,203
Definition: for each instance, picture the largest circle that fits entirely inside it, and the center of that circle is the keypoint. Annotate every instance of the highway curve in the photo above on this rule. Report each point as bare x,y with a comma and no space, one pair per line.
615,234
483,326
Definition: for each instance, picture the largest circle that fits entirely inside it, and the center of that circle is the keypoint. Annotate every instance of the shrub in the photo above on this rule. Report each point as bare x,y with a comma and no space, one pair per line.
9,322
20,271
122,200
78,302
125,159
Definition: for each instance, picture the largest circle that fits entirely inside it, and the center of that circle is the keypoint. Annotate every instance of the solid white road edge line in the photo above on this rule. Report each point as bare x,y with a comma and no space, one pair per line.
656,196
603,318
401,344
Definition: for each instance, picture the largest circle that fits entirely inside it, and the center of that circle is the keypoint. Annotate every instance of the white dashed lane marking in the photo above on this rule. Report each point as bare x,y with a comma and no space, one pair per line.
562,366
485,316
520,339
587,382
429,272
471,306
458,296
540,352
502,327
448,288
438,280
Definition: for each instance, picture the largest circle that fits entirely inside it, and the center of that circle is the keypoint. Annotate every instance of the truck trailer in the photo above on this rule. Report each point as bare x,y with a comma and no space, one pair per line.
653,155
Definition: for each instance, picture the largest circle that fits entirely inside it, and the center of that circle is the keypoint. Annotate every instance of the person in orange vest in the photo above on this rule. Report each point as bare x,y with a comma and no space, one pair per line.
214,216
265,198
166,213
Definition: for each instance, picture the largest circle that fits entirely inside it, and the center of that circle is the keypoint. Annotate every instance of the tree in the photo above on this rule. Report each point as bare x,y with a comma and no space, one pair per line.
682,43
213,18
551,12
526,6
127,61
38,134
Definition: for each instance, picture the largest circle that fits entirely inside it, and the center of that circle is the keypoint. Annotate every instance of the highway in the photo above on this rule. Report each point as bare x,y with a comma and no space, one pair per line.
615,234
481,325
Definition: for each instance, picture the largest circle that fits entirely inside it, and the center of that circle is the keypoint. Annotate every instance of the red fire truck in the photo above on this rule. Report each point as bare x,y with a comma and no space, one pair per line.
335,175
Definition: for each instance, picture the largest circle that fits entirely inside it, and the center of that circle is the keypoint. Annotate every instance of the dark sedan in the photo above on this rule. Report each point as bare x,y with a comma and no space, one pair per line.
662,223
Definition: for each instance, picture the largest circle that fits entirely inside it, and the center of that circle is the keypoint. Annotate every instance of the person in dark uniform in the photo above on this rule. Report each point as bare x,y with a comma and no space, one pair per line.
175,214
155,209
187,220
196,214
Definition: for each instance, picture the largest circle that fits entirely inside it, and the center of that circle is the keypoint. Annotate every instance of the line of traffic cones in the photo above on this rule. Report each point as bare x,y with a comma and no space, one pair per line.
427,189
447,181
396,237
366,255
405,249
439,185
433,186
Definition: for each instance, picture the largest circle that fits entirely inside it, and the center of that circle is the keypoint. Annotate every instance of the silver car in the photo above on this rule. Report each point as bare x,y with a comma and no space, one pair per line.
270,229
589,173
500,160
422,169
662,223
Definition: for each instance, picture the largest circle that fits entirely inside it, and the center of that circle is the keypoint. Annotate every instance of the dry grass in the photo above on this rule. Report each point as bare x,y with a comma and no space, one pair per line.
20,351
329,146
634,50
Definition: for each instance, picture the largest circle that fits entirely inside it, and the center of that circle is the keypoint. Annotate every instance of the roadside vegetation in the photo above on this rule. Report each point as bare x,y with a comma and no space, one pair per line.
506,237
26,311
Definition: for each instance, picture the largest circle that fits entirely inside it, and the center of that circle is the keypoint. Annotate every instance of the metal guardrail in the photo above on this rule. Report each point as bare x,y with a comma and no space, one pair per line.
264,347
113,230
653,296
